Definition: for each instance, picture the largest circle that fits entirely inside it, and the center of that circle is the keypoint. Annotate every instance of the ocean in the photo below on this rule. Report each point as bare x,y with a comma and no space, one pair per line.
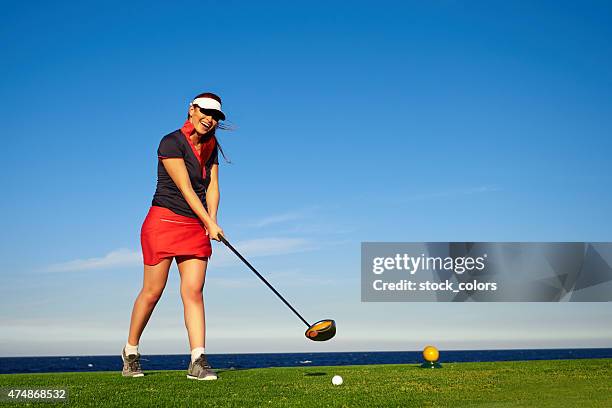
11,365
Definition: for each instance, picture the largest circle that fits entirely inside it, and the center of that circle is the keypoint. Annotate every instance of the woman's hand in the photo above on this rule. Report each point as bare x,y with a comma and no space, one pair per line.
214,231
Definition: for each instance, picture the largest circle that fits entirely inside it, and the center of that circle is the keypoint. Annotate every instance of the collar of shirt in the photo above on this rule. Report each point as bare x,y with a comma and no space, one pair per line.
206,147
187,130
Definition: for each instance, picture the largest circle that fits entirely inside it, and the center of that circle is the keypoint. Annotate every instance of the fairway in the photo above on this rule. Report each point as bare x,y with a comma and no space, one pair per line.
550,383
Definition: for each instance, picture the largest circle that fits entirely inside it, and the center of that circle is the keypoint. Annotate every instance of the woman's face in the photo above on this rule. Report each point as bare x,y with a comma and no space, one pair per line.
202,122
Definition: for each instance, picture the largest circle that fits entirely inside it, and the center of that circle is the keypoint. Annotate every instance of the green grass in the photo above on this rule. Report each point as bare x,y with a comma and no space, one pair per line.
555,383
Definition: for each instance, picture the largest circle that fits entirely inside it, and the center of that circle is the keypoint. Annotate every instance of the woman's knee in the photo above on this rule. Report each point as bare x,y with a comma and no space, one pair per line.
151,295
191,293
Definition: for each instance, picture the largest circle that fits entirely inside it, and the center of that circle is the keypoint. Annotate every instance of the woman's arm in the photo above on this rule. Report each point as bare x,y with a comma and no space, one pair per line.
178,173
212,194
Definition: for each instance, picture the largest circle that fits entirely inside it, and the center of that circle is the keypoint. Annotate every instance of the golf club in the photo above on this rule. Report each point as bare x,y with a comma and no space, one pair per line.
320,331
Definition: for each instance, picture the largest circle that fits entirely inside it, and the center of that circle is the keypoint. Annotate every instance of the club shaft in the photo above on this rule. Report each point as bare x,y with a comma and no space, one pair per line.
262,278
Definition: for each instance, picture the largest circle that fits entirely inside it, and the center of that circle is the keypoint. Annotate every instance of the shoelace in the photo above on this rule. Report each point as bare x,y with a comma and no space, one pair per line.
202,361
134,364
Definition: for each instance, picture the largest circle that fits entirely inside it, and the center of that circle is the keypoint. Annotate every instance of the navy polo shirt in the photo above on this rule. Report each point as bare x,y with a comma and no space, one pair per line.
167,193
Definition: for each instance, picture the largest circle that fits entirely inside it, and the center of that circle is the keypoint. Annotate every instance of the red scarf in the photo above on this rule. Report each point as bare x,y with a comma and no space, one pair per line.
206,148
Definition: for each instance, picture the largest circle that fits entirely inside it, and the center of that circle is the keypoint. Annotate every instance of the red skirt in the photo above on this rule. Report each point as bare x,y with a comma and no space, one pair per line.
165,234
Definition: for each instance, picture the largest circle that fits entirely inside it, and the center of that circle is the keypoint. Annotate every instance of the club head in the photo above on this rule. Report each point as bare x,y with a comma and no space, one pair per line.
322,330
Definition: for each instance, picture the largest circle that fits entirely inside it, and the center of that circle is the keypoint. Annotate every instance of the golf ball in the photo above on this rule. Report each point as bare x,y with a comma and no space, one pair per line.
337,380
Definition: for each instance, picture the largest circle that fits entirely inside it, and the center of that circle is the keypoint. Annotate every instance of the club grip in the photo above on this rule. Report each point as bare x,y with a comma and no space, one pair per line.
222,239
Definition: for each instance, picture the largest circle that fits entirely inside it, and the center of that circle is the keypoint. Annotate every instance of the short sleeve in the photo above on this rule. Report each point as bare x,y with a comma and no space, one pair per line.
169,147
214,157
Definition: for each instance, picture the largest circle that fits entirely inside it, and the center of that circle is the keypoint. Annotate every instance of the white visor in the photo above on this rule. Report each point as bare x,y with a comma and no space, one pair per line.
209,103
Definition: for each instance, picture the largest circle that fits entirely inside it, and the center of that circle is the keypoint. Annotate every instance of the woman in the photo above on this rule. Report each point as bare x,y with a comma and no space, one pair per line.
180,223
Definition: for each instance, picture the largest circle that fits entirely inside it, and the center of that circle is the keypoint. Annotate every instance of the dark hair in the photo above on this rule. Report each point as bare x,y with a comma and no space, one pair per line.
220,125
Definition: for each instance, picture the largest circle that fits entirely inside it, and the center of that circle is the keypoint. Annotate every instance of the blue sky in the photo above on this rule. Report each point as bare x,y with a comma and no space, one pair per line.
407,121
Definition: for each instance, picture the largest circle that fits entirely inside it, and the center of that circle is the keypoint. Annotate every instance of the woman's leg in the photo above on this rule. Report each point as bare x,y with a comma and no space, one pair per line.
155,278
193,272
